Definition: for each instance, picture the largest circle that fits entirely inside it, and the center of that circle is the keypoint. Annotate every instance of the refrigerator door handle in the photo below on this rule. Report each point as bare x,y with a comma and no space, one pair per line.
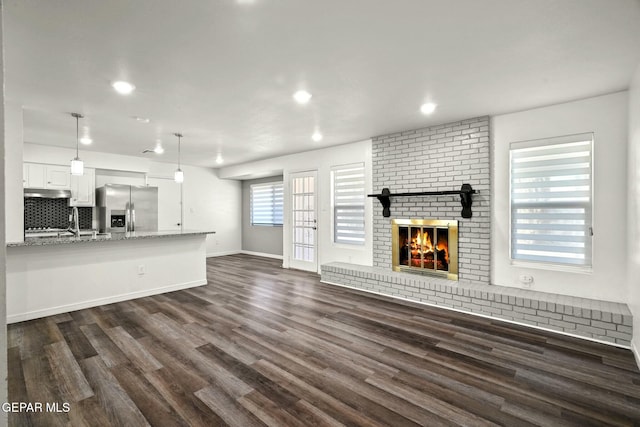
127,218
133,217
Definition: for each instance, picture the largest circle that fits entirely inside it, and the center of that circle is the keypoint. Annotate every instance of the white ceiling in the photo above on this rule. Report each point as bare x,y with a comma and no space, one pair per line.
223,72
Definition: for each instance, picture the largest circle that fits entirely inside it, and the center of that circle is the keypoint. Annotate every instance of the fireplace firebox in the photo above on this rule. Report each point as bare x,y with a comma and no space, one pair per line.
425,246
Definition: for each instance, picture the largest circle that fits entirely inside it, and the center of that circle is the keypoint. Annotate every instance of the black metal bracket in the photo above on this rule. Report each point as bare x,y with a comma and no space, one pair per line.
465,193
385,201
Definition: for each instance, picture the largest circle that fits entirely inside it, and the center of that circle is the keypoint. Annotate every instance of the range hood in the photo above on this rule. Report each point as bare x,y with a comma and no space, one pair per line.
47,194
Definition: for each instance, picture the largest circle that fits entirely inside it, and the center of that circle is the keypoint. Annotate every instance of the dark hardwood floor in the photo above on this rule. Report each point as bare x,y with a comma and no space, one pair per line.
262,345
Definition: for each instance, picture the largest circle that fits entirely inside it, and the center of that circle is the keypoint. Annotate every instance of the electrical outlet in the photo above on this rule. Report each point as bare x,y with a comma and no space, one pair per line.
141,269
526,280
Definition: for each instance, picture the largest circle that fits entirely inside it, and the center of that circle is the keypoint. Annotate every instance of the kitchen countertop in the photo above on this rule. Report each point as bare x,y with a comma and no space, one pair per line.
108,237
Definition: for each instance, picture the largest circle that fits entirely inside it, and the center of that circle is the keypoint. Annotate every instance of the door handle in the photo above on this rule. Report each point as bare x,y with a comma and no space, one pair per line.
315,228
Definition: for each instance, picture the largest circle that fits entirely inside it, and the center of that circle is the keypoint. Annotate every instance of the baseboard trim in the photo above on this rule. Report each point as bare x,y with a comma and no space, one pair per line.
36,314
636,353
487,317
262,254
224,253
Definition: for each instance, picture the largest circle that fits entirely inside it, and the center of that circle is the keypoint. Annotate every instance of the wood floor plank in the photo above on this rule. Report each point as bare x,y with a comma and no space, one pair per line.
457,415
133,349
89,413
77,341
113,399
261,345
312,416
318,398
69,377
32,336
171,385
41,387
267,411
108,351
147,399
227,408
17,389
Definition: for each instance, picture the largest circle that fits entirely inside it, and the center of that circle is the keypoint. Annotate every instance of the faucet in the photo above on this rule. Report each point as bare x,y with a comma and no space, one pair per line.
74,227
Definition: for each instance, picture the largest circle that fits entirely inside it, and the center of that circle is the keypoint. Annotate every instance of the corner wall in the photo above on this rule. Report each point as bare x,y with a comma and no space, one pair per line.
3,248
437,158
259,238
606,116
633,220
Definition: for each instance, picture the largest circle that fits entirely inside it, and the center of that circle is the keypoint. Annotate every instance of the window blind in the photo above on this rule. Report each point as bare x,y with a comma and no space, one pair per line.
348,204
266,203
551,200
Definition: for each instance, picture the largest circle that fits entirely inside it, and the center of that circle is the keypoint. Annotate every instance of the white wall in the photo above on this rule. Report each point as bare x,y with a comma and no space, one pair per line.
321,160
606,116
633,222
209,203
3,276
13,171
259,239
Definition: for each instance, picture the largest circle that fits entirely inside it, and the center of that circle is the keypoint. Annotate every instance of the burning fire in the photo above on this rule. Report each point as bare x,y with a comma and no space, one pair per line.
422,244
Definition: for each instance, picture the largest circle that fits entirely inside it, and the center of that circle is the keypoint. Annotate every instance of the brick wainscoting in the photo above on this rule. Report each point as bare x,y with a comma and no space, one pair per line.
604,321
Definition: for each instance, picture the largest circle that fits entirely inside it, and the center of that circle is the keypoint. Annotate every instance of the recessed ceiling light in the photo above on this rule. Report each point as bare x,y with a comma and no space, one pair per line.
219,159
86,140
317,136
122,87
142,119
428,108
158,149
302,96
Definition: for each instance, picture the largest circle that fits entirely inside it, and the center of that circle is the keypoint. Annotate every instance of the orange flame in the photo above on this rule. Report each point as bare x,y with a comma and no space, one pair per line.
422,244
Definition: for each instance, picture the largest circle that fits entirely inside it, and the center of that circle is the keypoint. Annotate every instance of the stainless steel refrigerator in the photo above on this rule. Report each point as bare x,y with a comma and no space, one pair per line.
123,208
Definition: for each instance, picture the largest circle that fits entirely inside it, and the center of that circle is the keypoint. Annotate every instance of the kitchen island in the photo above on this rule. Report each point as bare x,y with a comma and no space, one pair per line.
52,275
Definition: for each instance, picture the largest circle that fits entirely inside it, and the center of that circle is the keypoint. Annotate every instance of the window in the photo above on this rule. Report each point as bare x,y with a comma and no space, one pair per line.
551,200
348,204
266,204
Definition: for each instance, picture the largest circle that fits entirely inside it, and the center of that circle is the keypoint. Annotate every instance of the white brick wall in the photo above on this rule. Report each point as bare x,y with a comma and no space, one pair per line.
437,158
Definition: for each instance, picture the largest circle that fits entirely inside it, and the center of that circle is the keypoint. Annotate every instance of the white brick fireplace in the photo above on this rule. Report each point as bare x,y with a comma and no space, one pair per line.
443,158
438,158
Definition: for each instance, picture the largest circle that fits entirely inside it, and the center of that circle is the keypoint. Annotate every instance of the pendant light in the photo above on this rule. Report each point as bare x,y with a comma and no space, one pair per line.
178,176
77,167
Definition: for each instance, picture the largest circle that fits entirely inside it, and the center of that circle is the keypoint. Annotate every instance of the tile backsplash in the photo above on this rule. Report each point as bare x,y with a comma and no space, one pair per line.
52,213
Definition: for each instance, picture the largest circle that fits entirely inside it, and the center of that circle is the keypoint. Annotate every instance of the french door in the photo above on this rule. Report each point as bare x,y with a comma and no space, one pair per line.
304,254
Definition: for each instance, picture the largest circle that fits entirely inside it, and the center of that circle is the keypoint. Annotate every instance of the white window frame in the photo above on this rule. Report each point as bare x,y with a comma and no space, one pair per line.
276,189
358,239
572,202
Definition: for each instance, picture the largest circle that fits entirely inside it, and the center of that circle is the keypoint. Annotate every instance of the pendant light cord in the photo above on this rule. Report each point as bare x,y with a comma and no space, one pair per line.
78,116
77,136
179,135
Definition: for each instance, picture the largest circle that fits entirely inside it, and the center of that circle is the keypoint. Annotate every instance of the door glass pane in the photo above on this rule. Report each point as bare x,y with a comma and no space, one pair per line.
304,219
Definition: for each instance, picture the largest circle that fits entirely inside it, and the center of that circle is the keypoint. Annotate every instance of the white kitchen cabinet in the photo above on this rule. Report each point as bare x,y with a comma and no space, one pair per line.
33,175
83,189
37,175
58,177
